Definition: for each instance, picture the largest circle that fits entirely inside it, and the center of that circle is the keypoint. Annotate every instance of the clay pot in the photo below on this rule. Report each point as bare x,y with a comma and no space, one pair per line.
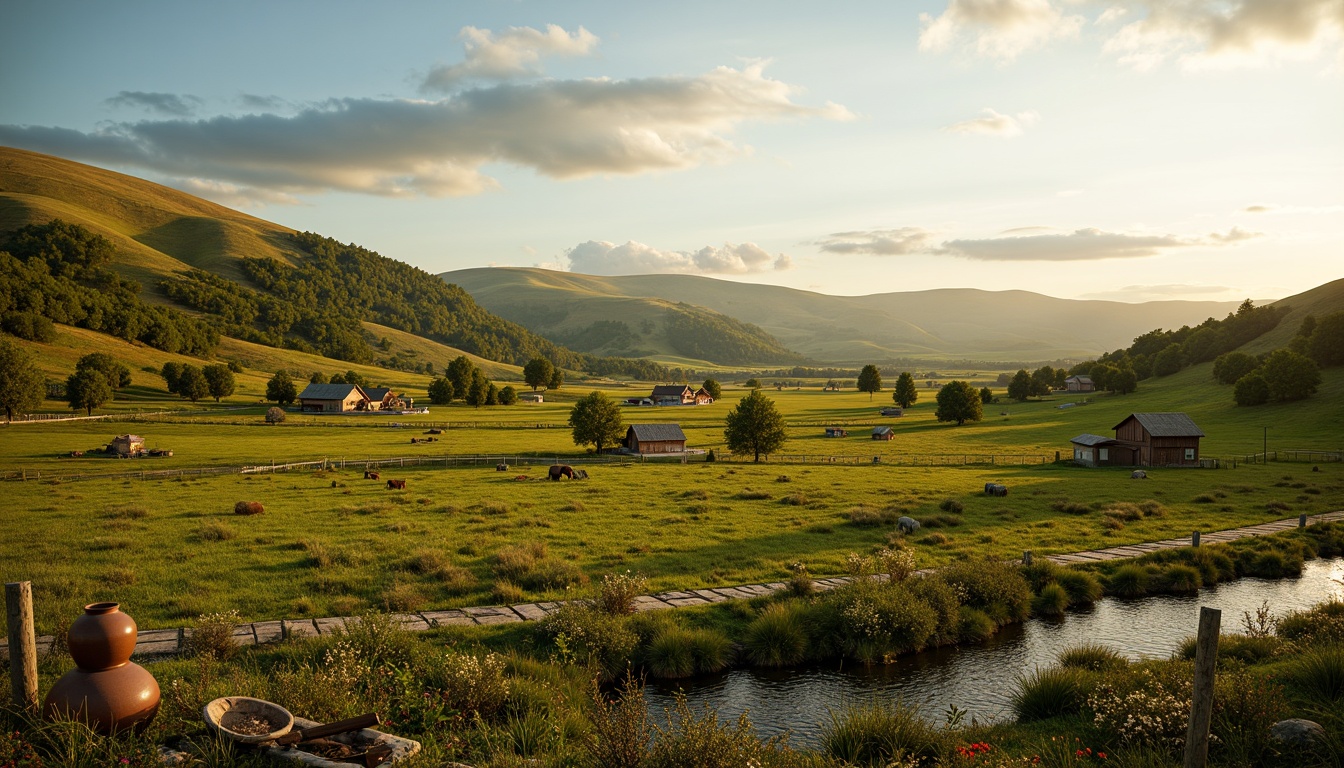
107,691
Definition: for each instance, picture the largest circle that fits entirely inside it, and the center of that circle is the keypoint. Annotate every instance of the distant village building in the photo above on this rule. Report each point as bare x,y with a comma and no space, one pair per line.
890,411
672,394
638,401
655,438
333,398
384,399
531,397
128,446
1143,440
836,432
1079,384
884,433
702,397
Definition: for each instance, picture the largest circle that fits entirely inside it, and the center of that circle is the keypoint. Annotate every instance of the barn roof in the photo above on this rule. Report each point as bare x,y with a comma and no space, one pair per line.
1092,440
881,430
1166,424
376,393
670,389
130,438
657,432
1080,379
327,391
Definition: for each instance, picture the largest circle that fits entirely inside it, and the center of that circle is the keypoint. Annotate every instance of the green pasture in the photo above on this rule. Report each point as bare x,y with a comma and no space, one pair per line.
332,543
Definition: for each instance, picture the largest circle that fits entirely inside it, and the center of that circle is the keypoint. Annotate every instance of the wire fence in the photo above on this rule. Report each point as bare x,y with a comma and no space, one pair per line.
1297,455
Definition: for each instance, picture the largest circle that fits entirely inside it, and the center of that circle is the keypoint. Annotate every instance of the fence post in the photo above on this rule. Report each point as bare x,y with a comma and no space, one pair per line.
1194,539
1201,703
22,645
1026,557
1302,520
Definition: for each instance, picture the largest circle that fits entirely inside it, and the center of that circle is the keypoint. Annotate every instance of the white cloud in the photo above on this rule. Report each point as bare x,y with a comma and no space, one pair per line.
1001,29
171,104
879,242
632,258
1084,245
234,195
1304,210
515,52
1201,34
991,123
401,147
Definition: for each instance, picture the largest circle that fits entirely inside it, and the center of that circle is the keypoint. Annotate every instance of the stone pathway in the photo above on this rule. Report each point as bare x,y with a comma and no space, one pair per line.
157,642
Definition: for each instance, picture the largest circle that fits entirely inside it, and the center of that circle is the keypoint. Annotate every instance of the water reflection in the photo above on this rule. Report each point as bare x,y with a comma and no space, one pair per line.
979,678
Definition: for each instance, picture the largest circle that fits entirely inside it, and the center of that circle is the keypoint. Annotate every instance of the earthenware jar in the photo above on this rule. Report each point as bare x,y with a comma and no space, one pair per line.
107,691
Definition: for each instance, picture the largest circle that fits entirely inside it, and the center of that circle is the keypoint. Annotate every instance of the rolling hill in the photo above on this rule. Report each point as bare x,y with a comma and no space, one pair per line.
937,324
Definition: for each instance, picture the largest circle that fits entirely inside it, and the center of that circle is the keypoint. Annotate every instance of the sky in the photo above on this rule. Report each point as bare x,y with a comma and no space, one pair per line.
1136,150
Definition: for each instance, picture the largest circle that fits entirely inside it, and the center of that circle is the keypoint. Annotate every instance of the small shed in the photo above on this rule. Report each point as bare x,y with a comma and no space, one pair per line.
884,433
890,411
1096,451
836,432
531,397
129,446
702,397
333,398
655,438
1160,439
1079,384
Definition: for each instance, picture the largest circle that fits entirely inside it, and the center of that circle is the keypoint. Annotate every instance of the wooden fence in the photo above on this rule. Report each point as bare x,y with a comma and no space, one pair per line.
899,460
1306,456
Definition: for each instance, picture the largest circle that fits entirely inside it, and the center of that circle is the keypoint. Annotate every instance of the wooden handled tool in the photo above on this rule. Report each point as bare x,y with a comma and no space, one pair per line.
330,729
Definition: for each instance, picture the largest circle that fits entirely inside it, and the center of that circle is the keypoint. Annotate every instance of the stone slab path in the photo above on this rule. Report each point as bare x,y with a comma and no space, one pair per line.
157,642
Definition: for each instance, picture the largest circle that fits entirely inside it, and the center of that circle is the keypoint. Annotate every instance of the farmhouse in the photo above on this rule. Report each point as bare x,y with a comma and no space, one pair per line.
836,432
702,397
128,446
1079,384
384,399
884,433
655,438
333,398
1159,439
672,394
1095,451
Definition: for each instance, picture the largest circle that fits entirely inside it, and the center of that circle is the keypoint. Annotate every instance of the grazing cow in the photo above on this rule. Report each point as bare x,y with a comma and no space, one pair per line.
907,524
396,485
501,467
1139,474
580,474
558,471
370,475
414,441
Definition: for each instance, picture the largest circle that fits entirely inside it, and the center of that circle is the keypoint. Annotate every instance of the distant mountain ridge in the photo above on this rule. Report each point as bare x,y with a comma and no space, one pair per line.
954,323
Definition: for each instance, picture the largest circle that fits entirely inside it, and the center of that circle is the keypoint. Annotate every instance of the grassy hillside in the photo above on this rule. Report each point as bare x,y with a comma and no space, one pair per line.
1319,301
952,323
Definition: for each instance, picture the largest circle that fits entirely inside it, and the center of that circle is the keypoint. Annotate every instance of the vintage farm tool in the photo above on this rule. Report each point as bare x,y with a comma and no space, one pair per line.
360,722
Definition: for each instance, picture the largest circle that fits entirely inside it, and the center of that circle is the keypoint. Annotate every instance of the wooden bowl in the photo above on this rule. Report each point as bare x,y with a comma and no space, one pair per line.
224,712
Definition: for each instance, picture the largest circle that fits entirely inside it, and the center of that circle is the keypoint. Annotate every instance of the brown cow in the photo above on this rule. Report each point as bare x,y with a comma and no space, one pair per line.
398,485
558,471
370,475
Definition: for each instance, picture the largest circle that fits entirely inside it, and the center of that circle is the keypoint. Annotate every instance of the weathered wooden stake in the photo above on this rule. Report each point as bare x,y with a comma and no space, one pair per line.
1302,520
1026,557
1194,539
1201,704
22,645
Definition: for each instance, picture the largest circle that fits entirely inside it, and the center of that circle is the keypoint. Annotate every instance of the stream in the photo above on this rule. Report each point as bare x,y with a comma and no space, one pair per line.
980,678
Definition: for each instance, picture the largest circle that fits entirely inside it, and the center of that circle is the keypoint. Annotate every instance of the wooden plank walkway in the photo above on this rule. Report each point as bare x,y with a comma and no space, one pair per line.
158,642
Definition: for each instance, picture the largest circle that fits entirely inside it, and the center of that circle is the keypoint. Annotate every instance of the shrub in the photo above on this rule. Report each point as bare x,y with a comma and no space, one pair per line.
1246,704
880,733
952,505
879,622
1071,507
993,586
935,538
1049,692
1244,648
505,592
777,637
215,531
796,500
212,637
1318,674
1040,573
670,654
713,651
401,596
800,583
1084,588
589,636
248,508
1093,657
937,594
617,592
474,684
1151,508
702,740
620,732
748,494
1052,601
897,563
275,415
1180,579
1274,565
1319,625
1128,581
974,626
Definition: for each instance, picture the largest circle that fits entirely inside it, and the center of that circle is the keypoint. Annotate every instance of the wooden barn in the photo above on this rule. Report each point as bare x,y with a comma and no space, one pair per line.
884,433
836,432
702,397
655,438
1079,384
1158,440
128,446
672,394
333,398
1097,451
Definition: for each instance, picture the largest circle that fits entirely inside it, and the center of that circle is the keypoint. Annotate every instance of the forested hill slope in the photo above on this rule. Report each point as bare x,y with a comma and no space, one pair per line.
253,279
938,324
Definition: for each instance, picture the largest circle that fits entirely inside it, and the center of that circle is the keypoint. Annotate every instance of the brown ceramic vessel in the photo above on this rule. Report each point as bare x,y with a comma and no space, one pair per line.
107,691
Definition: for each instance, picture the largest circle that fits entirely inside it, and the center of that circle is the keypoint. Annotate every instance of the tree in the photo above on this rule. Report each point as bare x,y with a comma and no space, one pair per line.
557,379
318,377
117,375
459,373
219,380
492,394
1290,376
478,389
986,396
508,395
1168,361
752,384
959,401
1019,388
1251,389
171,373
275,415
280,389
87,389
537,372
192,383
1228,368
1042,381
21,383
906,393
1124,381
755,426
1102,375
596,419
713,387
352,377
870,380
441,391
1326,344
